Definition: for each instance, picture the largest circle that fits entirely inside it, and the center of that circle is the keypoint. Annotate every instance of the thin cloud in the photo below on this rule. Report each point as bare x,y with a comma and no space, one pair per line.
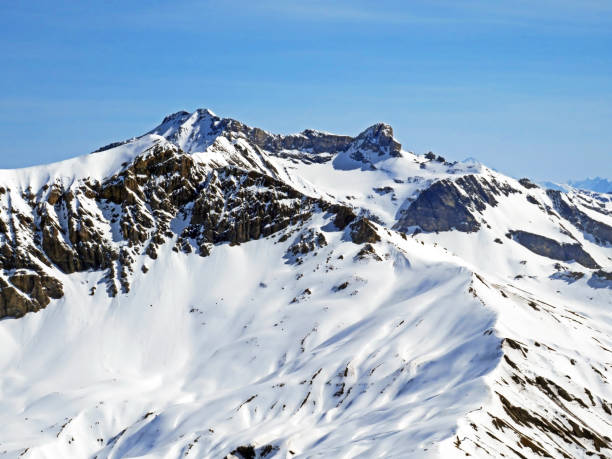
584,16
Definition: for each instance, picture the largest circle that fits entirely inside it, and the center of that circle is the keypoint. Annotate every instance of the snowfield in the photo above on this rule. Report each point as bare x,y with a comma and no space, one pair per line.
307,340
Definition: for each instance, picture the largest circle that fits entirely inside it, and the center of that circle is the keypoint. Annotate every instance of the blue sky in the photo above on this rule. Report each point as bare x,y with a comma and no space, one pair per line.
524,86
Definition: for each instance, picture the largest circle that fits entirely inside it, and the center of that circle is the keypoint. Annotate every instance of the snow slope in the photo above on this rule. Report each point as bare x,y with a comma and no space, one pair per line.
214,302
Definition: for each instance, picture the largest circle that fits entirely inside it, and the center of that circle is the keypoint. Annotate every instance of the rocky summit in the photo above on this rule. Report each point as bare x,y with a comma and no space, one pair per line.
210,289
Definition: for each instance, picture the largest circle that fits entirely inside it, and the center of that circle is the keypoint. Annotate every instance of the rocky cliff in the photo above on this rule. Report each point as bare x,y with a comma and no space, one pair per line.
211,289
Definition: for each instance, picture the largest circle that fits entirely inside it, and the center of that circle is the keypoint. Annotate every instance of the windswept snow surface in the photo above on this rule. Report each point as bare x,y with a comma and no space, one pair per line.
428,345
217,350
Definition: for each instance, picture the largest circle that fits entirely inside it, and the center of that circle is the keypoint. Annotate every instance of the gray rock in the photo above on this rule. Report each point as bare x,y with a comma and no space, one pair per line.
599,230
550,248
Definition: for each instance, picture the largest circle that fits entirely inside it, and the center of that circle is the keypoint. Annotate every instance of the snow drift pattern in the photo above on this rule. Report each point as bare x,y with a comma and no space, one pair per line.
210,289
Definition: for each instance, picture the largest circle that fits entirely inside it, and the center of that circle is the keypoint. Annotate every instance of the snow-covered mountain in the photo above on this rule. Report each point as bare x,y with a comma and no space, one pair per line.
598,184
210,289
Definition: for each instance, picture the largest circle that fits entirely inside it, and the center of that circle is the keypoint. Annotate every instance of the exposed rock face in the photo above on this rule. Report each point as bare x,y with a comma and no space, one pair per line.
600,273
250,452
344,216
599,230
448,204
199,130
377,139
528,183
228,211
439,208
363,231
244,452
601,279
308,140
203,127
13,303
366,252
107,226
550,248
431,156
39,286
306,242
29,292
165,199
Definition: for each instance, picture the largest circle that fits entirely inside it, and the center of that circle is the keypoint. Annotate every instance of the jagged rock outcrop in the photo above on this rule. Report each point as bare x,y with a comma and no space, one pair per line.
362,231
308,140
448,204
105,226
208,126
251,452
550,248
344,216
368,251
29,292
201,129
376,140
237,206
306,242
603,275
441,207
527,183
599,230
368,302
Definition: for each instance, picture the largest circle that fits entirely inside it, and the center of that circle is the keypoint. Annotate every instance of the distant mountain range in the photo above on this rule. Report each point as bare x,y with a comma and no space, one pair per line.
597,184
211,289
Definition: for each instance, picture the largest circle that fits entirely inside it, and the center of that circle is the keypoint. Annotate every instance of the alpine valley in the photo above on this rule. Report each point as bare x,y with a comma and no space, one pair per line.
210,289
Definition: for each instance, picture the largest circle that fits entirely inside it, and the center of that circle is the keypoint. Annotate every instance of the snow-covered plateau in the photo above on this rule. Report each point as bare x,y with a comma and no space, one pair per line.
210,289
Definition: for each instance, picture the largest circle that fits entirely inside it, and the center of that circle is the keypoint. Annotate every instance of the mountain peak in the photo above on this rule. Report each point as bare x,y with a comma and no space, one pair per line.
190,131
376,130
182,115
205,112
175,116
373,145
196,131
379,138
304,279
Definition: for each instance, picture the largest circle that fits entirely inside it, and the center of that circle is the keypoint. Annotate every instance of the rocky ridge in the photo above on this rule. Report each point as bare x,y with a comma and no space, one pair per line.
205,184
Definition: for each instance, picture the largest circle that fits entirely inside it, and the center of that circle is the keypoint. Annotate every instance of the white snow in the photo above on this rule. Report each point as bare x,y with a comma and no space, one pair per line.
246,347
